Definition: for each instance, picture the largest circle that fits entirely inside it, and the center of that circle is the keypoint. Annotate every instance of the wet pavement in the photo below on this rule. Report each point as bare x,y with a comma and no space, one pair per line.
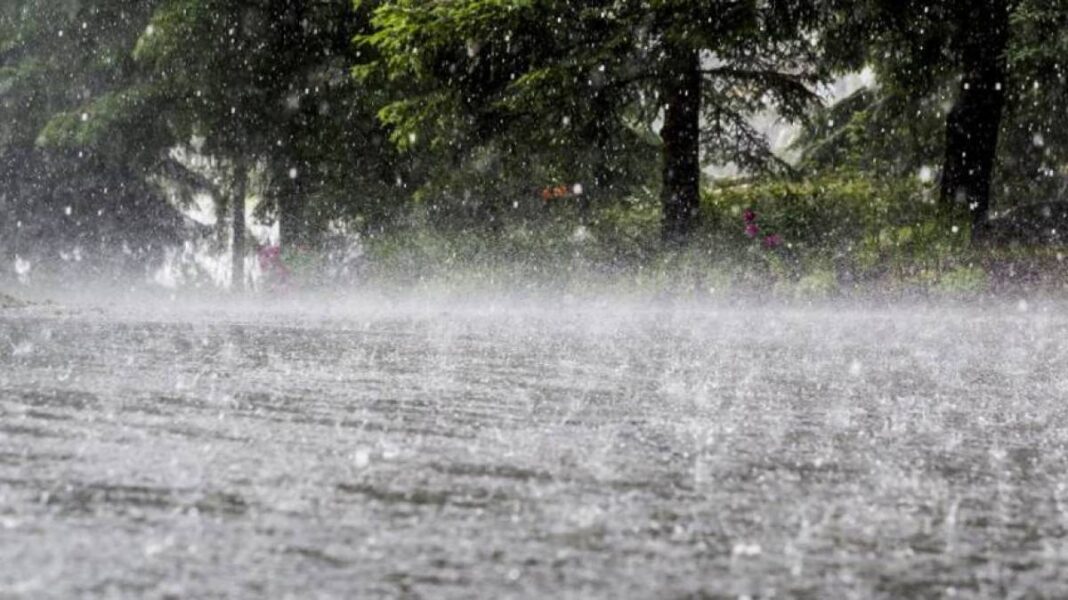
587,450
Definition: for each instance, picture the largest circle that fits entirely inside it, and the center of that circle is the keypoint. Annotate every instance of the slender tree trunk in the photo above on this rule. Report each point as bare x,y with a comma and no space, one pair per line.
973,123
597,189
290,213
680,196
237,206
8,227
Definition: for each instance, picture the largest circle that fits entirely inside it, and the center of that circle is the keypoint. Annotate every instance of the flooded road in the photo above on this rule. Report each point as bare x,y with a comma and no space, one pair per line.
577,451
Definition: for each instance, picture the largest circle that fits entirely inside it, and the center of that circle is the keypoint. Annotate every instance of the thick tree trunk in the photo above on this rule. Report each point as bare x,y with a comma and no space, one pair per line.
237,206
680,196
973,124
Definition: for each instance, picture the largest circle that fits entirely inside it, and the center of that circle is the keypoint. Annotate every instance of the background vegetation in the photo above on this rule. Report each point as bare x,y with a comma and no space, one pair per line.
551,141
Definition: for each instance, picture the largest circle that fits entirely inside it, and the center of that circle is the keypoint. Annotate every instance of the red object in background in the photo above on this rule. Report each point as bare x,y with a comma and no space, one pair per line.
268,255
773,241
752,230
274,269
555,192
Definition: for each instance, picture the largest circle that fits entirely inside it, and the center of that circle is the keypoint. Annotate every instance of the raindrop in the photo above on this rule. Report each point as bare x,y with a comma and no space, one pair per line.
361,458
746,550
855,368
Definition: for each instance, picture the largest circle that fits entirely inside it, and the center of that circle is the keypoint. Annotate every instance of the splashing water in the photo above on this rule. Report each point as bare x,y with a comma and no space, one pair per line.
606,448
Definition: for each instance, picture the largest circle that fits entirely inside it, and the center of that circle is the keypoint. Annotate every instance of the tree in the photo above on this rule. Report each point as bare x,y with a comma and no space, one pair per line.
555,73
209,61
1033,157
95,205
262,86
974,122
975,86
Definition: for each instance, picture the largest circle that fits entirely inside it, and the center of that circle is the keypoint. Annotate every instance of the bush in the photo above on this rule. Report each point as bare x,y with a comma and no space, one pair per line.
862,228
964,280
828,236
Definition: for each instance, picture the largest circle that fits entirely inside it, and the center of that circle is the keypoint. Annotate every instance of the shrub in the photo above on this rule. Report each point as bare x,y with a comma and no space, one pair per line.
964,280
865,228
804,239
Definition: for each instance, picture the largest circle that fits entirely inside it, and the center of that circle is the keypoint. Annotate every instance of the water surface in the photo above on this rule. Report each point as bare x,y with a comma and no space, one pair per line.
593,450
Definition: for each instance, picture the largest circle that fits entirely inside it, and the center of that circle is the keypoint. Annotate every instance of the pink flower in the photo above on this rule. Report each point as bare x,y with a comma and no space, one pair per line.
752,230
773,241
274,268
749,216
269,256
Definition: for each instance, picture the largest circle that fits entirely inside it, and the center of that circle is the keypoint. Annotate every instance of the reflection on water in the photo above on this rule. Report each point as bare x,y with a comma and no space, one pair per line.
582,451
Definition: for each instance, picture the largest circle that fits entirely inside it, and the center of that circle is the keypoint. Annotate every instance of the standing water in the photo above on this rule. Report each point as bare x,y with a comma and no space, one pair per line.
497,449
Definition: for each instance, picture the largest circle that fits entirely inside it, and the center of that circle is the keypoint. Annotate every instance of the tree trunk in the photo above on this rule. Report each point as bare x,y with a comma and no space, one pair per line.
237,206
973,124
599,157
680,196
9,229
291,227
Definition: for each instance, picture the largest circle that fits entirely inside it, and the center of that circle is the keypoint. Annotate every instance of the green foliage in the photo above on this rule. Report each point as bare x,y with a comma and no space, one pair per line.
964,280
461,112
820,283
126,118
264,82
914,49
1034,151
62,194
840,234
877,131
558,90
826,216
